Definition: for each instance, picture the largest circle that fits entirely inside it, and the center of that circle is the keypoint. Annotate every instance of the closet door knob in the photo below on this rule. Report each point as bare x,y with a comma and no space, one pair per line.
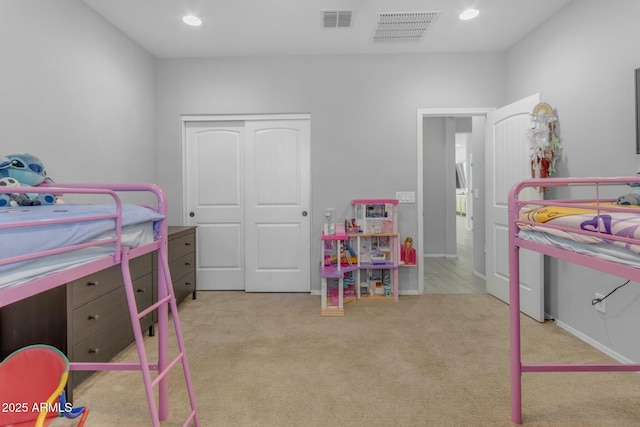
304,213
192,214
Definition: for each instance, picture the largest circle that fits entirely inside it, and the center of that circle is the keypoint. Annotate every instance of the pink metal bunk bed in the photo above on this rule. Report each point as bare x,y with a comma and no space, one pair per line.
46,266
594,232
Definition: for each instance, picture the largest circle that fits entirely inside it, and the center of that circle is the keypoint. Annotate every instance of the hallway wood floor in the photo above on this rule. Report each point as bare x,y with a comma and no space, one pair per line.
454,275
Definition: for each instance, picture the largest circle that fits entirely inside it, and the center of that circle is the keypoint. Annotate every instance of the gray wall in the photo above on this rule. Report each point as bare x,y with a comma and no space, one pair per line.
363,117
582,61
75,92
434,191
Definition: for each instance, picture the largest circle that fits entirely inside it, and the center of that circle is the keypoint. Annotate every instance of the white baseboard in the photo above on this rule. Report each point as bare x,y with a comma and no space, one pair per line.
318,292
478,274
440,256
606,350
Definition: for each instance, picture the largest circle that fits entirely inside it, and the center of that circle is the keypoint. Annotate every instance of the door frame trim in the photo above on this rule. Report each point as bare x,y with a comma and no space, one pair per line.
235,117
420,115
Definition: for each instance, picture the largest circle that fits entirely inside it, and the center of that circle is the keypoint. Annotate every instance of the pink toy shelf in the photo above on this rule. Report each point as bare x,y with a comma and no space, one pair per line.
360,261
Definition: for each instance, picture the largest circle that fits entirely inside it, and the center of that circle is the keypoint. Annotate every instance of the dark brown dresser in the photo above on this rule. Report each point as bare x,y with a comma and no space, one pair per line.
182,261
88,319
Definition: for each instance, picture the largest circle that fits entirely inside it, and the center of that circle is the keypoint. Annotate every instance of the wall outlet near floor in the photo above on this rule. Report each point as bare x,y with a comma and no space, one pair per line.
600,306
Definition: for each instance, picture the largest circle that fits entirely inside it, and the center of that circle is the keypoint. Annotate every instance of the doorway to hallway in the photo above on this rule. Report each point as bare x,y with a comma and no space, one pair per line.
454,275
450,266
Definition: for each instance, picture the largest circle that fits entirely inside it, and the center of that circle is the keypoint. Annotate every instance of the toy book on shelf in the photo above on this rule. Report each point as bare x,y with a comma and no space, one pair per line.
360,260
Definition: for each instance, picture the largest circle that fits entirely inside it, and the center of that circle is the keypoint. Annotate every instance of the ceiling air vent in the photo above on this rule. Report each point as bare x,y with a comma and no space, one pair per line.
400,26
336,18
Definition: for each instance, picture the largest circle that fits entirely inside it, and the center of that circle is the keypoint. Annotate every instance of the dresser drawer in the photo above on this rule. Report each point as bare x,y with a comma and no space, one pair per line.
93,316
102,346
181,246
143,288
98,314
94,286
182,266
141,265
185,285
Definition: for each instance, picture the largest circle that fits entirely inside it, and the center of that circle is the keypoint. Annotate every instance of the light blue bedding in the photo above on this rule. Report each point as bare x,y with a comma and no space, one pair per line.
20,241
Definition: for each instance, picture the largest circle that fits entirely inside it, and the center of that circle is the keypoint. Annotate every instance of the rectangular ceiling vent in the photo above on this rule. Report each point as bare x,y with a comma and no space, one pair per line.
401,26
336,18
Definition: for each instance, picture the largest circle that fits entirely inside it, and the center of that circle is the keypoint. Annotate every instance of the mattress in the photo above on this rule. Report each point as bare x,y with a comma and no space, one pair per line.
600,250
139,227
577,227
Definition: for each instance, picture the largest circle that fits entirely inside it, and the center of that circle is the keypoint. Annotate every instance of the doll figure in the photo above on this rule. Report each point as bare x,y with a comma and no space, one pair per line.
407,253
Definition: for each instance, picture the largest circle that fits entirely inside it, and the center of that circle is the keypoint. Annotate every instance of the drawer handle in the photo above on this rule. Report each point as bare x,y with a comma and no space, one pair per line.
94,283
187,264
94,317
187,244
140,291
94,350
187,283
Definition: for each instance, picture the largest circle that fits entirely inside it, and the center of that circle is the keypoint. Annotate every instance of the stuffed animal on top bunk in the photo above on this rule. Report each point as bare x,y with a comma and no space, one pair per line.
23,170
632,198
15,199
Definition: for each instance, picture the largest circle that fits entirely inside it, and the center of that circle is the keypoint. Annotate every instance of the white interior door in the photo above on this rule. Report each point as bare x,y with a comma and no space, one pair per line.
507,162
247,188
215,201
277,206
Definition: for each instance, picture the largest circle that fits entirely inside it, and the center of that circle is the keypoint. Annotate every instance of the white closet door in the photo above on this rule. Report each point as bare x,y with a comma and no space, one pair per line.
247,189
215,202
277,204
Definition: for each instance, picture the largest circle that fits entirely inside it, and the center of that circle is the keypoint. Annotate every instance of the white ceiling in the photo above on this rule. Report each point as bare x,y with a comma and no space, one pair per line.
293,27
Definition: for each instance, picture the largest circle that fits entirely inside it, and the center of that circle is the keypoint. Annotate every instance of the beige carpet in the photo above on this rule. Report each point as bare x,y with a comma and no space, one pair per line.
432,360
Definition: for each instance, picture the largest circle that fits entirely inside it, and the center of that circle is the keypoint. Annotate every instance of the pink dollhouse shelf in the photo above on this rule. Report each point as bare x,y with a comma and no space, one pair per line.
385,265
341,234
332,272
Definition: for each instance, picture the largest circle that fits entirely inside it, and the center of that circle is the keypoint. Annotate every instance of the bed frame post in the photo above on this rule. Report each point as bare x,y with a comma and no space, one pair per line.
514,310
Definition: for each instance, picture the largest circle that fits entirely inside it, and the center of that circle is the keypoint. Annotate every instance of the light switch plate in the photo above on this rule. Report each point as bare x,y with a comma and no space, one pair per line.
406,196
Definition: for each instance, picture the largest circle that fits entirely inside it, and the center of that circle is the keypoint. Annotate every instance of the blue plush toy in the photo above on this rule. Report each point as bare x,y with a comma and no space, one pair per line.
632,198
27,170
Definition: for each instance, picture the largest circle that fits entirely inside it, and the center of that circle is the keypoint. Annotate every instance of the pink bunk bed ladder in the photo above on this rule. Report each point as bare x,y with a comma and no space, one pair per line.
166,301
166,298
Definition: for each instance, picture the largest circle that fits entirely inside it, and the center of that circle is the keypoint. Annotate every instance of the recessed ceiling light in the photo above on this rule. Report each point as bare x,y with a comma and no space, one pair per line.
469,14
192,20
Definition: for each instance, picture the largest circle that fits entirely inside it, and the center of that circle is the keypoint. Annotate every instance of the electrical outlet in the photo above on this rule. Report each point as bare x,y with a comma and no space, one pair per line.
600,306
